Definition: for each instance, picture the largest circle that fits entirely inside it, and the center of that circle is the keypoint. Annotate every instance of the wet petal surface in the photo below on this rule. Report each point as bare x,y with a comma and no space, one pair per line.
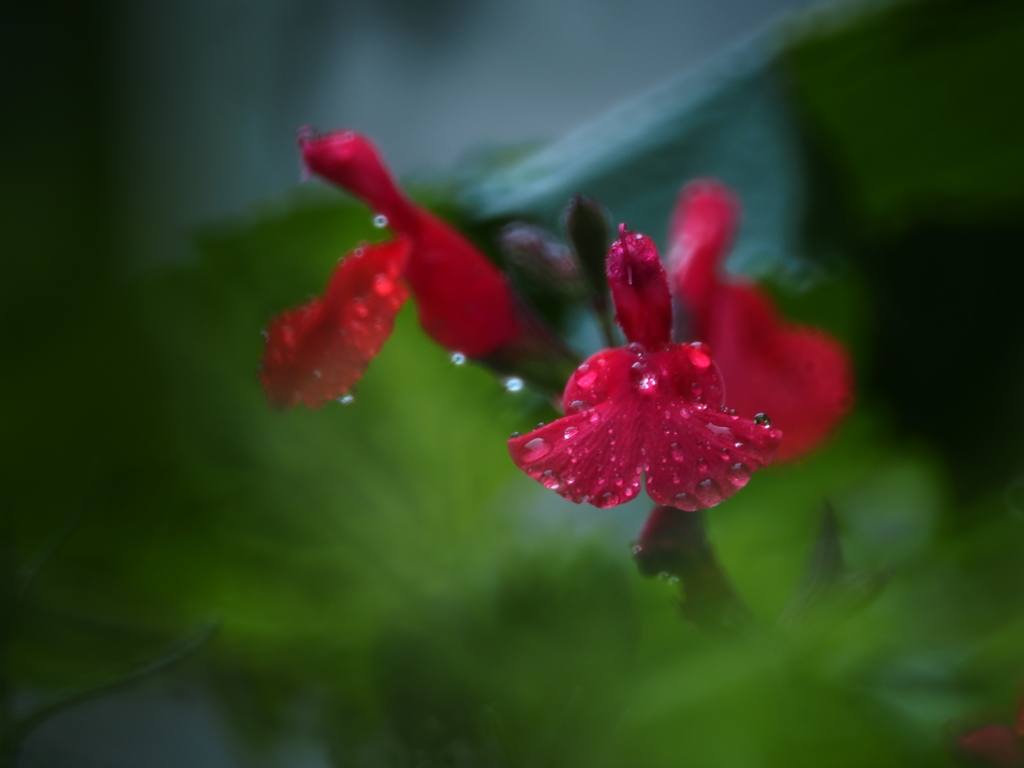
316,352
630,414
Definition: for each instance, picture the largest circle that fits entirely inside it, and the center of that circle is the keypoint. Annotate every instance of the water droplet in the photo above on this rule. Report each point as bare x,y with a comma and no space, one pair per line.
537,448
648,382
458,358
677,453
513,384
383,285
360,310
697,355
739,474
708,492
587,380
550,480
318,374
577,405
538,425
380,221
608,499
515,435
685,502
628,492
763,419
347,399
594,417
570,431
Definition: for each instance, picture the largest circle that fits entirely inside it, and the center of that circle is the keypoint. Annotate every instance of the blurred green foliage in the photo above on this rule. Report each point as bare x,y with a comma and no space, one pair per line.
383,570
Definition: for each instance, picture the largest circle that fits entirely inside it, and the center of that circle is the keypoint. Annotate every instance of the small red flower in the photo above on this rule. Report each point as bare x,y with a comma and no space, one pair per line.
653,409
318,351
465,303
799,375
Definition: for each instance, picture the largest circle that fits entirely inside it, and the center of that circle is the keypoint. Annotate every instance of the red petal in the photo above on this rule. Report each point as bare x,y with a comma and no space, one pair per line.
317,351
630,413
995,744
702,229
639,285
800,376
351,161
465,303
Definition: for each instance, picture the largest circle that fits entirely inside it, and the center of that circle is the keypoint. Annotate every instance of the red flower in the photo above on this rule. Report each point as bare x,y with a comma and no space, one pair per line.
994,744
465,303
801,376
653,408
318,351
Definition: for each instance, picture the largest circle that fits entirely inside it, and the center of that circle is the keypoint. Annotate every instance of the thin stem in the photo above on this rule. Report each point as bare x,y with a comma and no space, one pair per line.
45,711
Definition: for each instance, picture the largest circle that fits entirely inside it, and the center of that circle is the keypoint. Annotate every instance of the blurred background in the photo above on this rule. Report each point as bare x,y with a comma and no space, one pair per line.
387,589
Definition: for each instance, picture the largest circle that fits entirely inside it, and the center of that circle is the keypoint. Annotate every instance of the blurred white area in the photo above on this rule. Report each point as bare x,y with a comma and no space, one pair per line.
209,94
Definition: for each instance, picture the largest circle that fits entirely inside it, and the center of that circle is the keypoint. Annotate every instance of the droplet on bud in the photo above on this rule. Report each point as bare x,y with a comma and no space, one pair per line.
380,221
763,419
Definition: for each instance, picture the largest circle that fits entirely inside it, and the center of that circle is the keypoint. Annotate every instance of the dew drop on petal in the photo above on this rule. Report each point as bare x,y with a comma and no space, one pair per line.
608,499
380,221
458,358
677,453
515,434
513,384
763,419
697,355
347,399
383,285
686,502
550,480
535,449
588,379
594,417
570,431
577,405
739,474
708,492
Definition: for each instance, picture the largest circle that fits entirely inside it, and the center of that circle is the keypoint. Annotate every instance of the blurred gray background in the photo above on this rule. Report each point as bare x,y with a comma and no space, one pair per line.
209,94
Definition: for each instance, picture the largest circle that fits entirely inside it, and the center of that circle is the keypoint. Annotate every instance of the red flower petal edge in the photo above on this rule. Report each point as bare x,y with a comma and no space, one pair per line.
994,745
316,352
800,376
464,301
633,413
